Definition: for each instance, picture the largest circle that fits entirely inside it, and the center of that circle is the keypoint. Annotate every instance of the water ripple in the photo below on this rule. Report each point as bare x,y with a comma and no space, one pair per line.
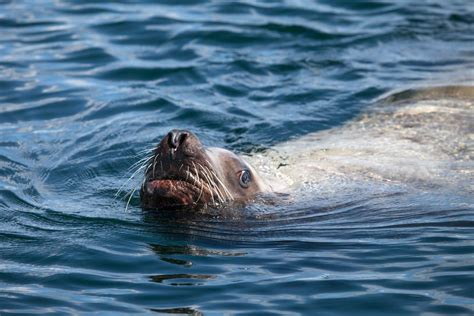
88,88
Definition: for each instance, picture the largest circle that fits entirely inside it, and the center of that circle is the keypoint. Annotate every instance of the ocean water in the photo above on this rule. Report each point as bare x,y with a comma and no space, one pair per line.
88,87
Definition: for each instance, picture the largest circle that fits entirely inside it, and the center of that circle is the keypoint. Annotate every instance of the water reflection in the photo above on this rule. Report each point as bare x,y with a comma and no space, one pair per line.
184,276
178,310
192,250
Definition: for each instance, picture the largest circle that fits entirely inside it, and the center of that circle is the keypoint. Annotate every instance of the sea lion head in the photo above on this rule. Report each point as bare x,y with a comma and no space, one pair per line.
182,173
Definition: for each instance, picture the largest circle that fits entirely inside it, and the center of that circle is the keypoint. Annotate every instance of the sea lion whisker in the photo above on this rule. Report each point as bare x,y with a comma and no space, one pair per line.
200,193
139,162
202,180
216,186
197,174
209,182
212,192
147,149
129,199
205,173
212,176
128,180
146,171
229,195
212,195
154,164
144,160
144,154
196,179
139,165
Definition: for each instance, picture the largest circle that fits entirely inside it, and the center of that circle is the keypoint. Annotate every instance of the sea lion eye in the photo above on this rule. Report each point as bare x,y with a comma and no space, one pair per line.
245,178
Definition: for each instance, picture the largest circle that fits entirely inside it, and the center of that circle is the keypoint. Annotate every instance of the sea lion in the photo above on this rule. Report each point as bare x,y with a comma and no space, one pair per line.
420,139
182,173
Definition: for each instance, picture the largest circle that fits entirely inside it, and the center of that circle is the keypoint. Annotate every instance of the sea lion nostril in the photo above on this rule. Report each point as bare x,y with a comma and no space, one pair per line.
176,138
171,143
182,137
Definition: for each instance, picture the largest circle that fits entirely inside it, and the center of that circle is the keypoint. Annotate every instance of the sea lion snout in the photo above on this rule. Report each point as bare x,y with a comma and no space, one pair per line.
179,144
176,137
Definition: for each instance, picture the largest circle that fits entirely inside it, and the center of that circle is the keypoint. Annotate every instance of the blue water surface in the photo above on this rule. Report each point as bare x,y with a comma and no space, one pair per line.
88,87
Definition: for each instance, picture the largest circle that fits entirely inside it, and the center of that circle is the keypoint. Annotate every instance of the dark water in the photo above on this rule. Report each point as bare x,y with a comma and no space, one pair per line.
87,86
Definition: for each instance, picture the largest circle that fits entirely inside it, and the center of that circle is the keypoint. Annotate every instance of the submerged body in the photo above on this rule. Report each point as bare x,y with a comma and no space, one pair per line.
419,139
